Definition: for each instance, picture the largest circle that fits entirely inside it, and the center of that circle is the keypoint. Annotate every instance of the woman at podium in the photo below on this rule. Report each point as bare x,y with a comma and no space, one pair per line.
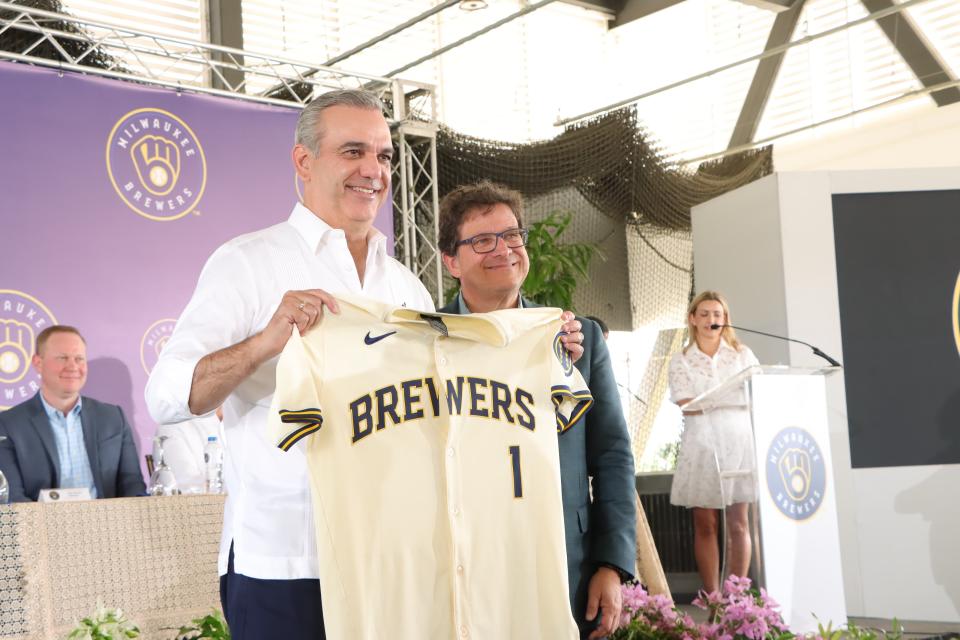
714,444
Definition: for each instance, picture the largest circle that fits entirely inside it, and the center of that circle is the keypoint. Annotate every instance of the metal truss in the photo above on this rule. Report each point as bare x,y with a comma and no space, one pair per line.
65,42
416,204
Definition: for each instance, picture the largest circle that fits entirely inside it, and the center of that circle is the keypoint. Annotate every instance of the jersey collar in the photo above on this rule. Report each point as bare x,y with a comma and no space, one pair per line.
464,310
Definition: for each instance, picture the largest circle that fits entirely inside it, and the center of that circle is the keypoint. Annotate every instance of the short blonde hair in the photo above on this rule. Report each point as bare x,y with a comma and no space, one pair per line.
44,335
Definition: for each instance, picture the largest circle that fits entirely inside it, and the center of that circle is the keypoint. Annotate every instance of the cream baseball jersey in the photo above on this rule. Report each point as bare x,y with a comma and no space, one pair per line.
431,441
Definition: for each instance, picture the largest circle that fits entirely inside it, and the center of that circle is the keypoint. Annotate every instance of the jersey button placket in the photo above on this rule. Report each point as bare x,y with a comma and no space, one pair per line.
452,483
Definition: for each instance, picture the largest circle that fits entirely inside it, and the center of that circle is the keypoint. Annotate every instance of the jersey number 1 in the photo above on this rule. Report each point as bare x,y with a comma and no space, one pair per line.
517,479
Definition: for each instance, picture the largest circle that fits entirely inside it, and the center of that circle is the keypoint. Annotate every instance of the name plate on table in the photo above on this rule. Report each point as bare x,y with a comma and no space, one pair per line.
65,495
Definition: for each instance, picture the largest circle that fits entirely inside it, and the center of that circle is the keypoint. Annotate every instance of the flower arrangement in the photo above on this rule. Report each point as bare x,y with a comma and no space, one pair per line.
210,627
738,612
112,624
105,624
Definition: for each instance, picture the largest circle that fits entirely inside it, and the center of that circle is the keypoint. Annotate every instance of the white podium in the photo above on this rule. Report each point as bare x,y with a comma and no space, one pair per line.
796,543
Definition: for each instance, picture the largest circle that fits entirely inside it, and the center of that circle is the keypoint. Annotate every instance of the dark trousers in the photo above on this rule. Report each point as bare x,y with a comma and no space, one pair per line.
265,609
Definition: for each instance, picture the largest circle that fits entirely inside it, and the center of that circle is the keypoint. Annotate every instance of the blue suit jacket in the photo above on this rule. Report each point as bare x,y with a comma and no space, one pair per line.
29,460
598,447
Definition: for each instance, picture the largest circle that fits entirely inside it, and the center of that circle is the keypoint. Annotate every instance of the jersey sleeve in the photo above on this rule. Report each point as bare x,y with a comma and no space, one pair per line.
295,412
570,394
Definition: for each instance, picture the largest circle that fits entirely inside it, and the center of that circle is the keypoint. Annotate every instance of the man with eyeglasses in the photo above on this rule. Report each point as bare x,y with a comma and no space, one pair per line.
482,241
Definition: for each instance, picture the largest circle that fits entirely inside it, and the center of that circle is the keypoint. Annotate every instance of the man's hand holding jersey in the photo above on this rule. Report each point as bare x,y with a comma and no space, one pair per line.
300,309
573,339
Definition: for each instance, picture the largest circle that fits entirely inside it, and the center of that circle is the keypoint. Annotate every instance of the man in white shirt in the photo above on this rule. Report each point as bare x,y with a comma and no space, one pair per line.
250,295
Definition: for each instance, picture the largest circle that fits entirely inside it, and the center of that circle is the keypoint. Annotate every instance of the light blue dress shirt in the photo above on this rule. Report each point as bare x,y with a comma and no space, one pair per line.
463,303
75,471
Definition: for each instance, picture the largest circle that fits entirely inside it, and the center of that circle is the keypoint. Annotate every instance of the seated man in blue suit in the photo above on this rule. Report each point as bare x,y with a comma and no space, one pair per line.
58,439
482,241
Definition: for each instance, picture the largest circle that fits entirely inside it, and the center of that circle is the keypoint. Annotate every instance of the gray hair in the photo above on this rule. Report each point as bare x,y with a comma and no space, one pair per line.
308,124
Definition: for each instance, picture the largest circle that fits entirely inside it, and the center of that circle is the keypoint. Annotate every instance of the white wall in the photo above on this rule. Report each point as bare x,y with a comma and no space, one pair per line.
898,526
916,135
751,222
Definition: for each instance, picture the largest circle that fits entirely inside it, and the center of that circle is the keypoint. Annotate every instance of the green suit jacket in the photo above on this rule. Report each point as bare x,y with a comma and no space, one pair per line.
604,531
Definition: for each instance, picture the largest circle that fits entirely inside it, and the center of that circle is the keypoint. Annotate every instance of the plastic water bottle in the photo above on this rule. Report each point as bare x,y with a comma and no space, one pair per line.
213,461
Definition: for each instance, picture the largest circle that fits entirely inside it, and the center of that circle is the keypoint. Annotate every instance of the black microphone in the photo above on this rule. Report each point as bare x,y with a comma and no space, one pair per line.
773,335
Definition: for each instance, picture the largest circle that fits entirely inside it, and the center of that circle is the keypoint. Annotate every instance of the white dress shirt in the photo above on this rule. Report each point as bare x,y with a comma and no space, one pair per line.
268,516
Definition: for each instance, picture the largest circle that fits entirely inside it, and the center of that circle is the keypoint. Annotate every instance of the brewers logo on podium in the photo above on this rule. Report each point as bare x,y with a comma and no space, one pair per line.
796,473
22,317
156,164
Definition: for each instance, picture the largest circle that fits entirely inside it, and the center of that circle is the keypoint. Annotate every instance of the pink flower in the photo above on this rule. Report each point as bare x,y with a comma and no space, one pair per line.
635,598
739,612
706,600
734,612
736,584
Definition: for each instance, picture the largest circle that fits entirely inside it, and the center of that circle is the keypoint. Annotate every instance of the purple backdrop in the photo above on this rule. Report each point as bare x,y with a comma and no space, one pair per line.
112,196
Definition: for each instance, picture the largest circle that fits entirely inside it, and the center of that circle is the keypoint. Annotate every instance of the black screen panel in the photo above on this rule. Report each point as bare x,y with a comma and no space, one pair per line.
898,273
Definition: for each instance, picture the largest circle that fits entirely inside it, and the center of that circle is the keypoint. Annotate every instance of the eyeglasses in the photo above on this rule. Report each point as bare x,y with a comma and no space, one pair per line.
487,242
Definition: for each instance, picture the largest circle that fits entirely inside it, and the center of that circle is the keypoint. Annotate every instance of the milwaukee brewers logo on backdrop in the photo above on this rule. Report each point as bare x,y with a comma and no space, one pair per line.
796,473
22,317
153,341
156,164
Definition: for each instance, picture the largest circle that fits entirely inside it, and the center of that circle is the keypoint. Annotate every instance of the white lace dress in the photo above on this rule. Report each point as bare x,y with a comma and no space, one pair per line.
720,440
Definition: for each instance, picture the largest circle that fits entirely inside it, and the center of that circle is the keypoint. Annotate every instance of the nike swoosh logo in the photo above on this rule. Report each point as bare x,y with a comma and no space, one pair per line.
367,339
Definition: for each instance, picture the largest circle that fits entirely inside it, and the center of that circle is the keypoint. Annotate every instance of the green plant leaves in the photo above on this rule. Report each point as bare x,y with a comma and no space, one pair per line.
210,627
105,624
111,624
555,268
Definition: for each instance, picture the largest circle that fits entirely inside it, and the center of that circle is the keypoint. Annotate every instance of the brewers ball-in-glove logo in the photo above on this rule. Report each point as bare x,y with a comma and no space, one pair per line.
153,341
22,317
796,473
562,354
156,164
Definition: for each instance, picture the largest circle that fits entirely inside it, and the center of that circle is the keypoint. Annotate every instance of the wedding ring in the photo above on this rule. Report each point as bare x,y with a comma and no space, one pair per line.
301,306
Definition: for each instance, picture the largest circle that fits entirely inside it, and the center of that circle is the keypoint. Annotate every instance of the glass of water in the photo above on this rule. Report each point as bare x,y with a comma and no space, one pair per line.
162,480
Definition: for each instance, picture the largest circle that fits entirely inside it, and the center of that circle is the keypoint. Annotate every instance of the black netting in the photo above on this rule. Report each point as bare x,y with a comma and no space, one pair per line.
610,160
